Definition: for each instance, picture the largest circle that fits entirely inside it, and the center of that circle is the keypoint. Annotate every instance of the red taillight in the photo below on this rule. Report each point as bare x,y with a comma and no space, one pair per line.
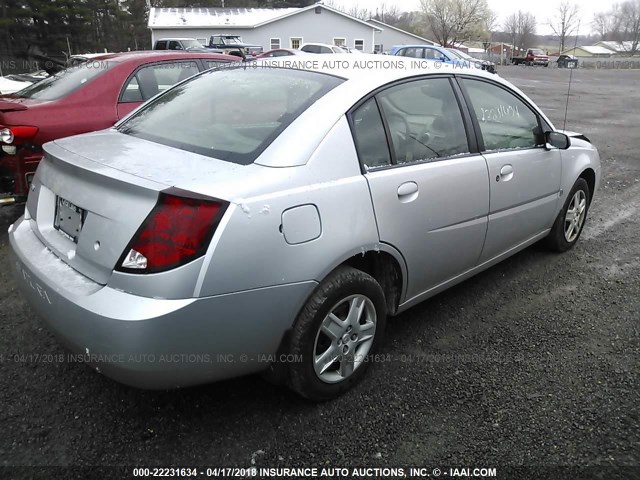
177,231
17,134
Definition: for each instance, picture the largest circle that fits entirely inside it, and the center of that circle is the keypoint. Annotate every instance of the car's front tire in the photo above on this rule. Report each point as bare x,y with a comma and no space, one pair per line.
570,221
335,334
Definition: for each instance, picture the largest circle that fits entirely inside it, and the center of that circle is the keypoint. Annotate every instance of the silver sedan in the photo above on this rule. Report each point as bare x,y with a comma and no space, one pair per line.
271,217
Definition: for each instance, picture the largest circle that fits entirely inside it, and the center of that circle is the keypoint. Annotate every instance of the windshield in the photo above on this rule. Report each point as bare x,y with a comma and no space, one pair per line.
231,114
65,82
461,54
228,40
537,51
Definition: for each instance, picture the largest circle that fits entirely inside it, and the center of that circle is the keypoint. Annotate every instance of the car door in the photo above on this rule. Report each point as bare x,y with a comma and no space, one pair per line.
524,174
149,80
428,183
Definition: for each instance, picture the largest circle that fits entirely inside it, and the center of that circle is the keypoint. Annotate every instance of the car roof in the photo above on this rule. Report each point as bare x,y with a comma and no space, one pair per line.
142,55
417,45
387,67
363,74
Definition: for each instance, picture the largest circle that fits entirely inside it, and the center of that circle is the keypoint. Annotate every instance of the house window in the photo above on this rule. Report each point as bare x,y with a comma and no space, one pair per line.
275,43
339,42
359,45
295,42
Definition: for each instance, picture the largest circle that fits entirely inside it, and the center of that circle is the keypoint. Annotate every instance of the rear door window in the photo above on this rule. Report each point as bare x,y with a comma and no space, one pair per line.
424,120
414,52
369,135
153,79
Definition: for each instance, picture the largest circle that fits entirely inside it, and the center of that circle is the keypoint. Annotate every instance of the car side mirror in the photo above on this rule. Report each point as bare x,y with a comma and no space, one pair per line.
442,58
557,140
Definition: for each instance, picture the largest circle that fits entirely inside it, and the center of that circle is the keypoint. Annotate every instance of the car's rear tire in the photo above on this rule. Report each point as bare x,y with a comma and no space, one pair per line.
336,333
570,221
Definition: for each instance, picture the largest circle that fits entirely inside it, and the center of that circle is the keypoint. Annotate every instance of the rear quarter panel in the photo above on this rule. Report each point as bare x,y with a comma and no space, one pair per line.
249,251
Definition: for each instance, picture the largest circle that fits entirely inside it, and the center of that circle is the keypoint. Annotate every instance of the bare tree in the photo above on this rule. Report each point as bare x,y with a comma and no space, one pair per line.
608,25
630,11
490,24
621,24
521,28
362,13
389,14
511,28
356,10
451,21
566,22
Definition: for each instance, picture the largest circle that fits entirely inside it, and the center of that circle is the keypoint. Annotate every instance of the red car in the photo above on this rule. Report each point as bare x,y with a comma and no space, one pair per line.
81,99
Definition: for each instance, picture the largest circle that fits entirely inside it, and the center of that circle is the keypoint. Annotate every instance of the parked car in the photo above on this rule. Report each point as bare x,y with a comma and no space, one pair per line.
202,238
351,50
534,56
281,52
483,64
232,44
17,81
432,52
88,97
10,84
567,61
321,48
184,44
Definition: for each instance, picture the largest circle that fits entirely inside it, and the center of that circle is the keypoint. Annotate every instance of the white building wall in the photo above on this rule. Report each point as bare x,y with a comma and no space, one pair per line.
309,26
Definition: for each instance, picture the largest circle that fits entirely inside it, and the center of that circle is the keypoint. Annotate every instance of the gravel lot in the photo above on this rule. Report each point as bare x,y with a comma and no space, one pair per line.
532,363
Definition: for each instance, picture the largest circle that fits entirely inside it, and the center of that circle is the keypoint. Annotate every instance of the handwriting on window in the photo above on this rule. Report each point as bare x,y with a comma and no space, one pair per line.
498,113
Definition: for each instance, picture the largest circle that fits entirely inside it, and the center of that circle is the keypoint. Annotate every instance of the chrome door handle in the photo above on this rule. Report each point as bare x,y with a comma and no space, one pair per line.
408,192
506,173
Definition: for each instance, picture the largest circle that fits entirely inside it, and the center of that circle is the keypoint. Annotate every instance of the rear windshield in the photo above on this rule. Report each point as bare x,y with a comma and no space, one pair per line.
232,114
65,82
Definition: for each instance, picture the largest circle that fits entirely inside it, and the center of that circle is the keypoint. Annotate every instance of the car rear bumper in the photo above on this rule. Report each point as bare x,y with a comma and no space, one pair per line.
149,342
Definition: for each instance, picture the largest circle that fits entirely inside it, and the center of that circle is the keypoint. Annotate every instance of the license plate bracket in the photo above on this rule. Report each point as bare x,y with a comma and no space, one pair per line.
69,219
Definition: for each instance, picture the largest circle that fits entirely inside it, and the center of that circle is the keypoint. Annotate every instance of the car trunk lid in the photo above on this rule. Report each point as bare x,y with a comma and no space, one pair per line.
8,105
108,183
86,213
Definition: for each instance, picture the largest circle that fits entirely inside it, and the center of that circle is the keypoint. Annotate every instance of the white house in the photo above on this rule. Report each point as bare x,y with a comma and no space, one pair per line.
617,48
589,51
388,36
269,27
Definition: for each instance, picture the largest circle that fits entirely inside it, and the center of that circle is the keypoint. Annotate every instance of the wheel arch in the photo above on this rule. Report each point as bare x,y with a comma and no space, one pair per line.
589,175
579,161
384,263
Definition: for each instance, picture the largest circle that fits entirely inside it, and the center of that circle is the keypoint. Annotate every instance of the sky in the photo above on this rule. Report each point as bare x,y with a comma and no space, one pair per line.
544,9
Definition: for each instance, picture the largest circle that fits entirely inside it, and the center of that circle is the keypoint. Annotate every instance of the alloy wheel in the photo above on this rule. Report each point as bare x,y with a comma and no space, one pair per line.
344,338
